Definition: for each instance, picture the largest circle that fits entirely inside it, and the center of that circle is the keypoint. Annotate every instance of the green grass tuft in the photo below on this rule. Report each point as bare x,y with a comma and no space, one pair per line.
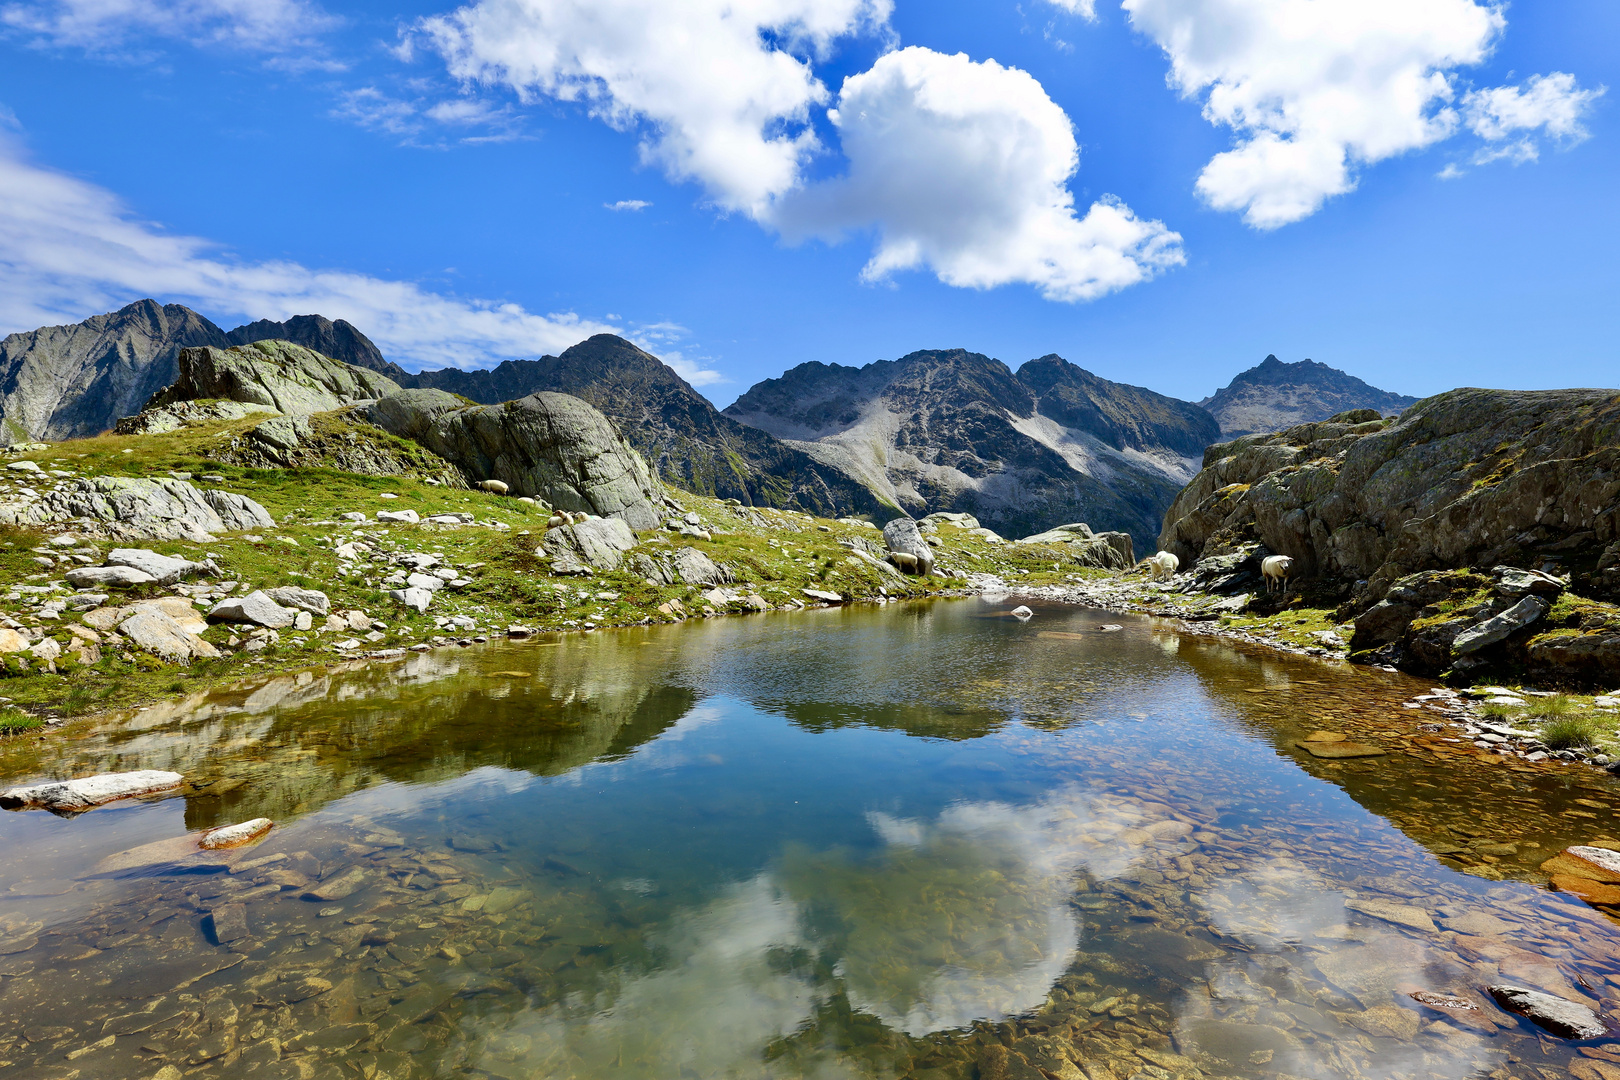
13,721
1567,732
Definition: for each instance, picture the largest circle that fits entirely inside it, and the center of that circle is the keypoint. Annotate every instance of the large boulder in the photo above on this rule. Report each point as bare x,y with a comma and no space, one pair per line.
157,632
133,508
286,377
547,446
903,536
1104,551
256,608
592,544
163,569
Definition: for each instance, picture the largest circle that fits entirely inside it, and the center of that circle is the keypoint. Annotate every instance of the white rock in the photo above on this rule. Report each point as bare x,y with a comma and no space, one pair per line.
409,517
430,582
24,466
353,515
46,649
161,634
163,569
71,796
311,600
415,598
114,577
256,607
303,621
227,836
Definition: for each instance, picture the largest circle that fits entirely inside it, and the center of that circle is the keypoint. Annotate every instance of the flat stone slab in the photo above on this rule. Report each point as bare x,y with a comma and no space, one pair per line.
1340,749
1594,863
73,796
117,577
1406,915
229,836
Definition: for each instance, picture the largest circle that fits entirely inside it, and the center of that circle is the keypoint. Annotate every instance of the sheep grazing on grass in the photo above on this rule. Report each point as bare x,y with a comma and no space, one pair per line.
1277,568
1163,565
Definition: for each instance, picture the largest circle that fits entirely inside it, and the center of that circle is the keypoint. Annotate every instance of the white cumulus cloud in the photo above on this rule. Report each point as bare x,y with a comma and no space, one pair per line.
723,88
1315,89
962,167
1086,9
72,249
101,25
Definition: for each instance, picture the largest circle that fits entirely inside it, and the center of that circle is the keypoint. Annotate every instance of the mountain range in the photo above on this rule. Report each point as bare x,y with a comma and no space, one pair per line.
935,430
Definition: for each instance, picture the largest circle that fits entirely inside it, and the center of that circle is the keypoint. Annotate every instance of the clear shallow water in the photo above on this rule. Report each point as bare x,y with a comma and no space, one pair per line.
856,843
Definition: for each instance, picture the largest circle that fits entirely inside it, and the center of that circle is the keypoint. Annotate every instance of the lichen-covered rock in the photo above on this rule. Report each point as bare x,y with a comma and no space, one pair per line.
1466,478
596,543
132,508
693,567
160,634
181,414
547,446
286,377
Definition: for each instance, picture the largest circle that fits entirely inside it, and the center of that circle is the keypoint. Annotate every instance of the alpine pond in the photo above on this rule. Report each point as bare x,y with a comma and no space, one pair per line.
916,840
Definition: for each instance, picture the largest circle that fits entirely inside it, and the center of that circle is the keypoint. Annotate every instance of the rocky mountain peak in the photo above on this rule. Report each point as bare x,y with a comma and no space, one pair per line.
340,340
1274,395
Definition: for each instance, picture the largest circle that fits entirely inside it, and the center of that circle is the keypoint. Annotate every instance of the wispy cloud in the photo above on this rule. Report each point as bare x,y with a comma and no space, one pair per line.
631,205
73,249
109,27
426,120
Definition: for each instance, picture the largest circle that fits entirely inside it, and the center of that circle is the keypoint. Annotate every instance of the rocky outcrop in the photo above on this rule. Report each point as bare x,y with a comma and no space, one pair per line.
344,440
1434,525
684,438
67,382
1274,395
1101,551
340,340
546,446
952,430
186,413
285,377
132,508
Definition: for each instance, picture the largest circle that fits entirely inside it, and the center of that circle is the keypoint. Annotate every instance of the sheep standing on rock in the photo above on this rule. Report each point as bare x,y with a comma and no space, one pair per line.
1163,565
1275,568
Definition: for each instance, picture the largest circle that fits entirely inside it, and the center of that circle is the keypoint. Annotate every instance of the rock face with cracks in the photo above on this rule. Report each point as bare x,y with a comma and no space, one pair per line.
286,377
546,446
132,508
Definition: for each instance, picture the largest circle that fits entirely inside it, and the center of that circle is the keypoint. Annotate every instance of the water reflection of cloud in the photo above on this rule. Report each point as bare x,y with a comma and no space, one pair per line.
1313,972
956,917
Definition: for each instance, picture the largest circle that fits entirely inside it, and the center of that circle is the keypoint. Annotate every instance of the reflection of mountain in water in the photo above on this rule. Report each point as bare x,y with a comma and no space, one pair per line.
923,721
298,742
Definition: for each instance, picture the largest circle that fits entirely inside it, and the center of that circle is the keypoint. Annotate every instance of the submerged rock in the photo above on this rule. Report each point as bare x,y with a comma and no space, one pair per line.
1568,1019
1592,863
72,796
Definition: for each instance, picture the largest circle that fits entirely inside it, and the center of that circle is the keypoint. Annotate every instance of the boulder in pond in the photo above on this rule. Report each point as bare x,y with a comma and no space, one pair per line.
1564,1018
73,796
229,836
902,535
547,446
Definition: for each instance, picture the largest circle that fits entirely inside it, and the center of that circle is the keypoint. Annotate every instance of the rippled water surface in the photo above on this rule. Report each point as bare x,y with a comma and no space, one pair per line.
927,841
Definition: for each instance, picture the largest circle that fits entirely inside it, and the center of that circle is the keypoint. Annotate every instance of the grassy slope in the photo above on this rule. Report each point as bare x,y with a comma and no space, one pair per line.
777,559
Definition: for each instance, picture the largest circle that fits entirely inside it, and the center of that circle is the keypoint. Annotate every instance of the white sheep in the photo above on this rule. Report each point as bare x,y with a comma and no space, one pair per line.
1275,568
1163,565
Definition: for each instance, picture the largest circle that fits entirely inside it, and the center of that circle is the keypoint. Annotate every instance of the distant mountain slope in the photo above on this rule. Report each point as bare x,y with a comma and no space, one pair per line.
339,340
65,382
956,430
1275,395
678,431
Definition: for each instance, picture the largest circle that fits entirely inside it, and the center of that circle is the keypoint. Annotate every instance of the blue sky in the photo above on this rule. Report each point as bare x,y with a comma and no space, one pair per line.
442,177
